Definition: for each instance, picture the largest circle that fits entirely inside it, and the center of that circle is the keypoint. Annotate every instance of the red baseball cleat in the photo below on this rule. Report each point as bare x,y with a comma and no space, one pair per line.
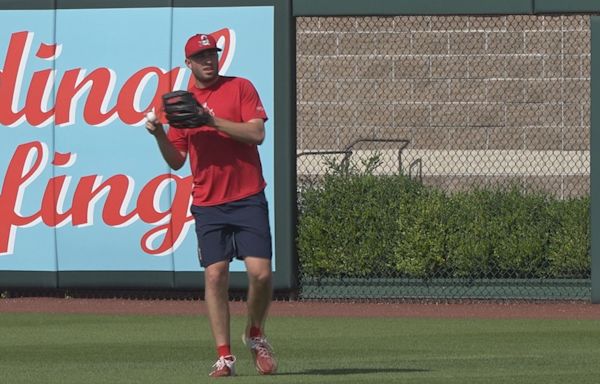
262,352
225,366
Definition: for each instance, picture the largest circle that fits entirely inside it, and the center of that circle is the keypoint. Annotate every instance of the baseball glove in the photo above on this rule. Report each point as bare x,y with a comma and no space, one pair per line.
183,111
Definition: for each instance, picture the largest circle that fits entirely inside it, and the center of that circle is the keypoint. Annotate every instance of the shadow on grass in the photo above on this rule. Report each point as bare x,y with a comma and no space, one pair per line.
352,371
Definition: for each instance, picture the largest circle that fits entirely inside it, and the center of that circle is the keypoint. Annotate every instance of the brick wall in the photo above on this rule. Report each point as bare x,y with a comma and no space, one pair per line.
506,85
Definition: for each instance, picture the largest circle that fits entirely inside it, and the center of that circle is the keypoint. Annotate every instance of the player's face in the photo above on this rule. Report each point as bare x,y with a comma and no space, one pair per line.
204,66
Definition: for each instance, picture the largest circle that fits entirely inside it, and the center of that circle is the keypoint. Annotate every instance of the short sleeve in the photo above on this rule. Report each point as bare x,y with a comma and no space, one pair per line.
252,107
178,138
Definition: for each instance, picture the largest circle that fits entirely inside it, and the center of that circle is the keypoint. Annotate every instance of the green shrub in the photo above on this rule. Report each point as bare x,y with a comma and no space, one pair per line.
520,227
469,237
569,243
421,235
347,223
356,224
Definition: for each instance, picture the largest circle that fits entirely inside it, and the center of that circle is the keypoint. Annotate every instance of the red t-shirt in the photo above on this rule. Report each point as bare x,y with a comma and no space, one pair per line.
223,169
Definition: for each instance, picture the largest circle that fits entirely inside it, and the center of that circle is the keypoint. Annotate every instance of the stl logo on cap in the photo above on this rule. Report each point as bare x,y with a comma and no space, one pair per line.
204,40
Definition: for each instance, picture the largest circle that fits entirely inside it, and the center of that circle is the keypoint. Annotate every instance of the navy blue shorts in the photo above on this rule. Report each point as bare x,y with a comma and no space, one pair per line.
233,230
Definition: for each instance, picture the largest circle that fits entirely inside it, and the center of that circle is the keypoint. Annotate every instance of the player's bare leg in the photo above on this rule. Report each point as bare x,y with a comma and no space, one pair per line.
260,290
260,293
216,296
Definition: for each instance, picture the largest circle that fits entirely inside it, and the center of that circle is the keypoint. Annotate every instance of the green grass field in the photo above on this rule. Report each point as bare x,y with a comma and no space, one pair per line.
84,349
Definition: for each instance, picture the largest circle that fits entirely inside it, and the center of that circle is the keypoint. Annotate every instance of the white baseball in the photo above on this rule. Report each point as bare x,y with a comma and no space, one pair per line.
150,116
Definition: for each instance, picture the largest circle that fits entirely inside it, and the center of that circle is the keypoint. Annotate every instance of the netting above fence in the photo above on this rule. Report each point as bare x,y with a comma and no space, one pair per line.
457,104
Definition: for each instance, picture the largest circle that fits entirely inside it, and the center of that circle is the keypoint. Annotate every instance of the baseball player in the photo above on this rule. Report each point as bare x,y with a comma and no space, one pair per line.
219,123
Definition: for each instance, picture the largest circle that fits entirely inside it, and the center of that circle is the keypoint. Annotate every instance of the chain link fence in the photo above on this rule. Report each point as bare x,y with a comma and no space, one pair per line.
443,156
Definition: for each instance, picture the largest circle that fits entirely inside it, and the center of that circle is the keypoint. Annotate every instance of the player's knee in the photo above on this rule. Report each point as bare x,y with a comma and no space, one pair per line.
261,277
216,276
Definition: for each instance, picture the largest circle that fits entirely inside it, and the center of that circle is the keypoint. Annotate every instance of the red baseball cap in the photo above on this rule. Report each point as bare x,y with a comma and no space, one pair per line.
199,43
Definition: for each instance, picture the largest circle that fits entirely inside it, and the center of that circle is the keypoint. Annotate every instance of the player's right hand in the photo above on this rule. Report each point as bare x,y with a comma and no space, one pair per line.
154,127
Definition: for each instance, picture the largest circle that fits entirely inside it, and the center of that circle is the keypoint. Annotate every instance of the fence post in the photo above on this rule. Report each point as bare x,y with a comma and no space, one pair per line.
595,160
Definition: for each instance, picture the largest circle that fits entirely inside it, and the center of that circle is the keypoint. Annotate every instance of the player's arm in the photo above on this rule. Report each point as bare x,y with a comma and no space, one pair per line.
174,157
249,132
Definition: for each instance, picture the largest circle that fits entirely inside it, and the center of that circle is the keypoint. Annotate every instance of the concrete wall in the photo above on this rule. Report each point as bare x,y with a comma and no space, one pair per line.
514,85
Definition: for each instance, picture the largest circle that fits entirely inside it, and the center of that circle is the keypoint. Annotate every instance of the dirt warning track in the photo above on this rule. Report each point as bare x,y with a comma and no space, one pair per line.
488,310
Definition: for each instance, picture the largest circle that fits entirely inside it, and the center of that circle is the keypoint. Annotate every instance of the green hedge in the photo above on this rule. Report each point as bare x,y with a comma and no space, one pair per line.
355,224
